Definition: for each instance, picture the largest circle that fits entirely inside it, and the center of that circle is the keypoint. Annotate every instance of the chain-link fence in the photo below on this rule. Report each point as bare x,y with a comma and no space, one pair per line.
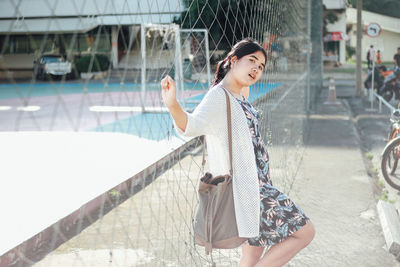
91,160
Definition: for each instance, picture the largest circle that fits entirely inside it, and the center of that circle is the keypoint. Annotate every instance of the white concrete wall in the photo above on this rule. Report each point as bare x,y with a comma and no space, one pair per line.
387,42
339,26
18,61
387,23
334,4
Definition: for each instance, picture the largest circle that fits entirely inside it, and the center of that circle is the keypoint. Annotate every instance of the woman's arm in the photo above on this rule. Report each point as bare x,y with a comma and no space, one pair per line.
203,120
168,94
180,117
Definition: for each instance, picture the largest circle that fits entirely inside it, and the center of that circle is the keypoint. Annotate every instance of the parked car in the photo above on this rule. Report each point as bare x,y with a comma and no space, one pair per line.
53,64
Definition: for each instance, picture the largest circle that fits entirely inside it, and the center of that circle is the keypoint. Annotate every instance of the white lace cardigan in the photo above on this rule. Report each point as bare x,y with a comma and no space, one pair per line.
209,119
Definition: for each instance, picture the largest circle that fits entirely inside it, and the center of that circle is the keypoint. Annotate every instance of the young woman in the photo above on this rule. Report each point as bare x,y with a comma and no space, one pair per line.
264,215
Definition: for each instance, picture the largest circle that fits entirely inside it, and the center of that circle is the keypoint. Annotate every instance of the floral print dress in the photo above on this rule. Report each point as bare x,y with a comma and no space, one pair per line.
279,217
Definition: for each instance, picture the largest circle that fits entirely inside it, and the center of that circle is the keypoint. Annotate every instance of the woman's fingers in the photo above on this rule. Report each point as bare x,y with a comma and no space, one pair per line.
168,90
169,79
166,82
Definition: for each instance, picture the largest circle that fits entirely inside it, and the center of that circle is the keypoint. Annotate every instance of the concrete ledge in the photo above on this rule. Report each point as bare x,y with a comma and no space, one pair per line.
390,226
60,207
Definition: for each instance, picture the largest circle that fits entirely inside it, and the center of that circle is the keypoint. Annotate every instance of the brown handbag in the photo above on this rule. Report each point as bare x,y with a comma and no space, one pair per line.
215,222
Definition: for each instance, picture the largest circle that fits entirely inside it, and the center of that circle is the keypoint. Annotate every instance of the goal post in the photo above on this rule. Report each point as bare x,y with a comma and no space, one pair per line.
181,36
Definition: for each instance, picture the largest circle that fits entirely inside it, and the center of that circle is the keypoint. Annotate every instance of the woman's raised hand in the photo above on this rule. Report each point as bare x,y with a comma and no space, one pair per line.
168,91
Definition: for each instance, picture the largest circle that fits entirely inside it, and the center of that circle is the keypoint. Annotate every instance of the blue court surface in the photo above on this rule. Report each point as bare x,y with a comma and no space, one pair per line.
158,126
22,90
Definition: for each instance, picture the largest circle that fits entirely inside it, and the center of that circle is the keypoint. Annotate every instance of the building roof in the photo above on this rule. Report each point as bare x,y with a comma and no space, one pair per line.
82,24
387,23
78,8
39,16
47,25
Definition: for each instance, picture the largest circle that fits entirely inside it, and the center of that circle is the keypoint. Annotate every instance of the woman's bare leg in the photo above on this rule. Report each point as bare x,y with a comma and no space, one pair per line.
250,255
282,252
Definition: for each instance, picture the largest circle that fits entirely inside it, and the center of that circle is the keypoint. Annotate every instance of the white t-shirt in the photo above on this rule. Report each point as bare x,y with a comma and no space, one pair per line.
372,54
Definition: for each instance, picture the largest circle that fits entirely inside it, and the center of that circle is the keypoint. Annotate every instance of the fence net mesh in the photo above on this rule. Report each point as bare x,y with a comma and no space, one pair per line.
106,179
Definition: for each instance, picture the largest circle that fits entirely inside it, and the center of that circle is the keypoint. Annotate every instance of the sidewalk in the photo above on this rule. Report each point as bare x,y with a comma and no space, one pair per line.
335,191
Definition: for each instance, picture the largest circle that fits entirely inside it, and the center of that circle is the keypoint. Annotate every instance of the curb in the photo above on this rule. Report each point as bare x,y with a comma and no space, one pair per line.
390,223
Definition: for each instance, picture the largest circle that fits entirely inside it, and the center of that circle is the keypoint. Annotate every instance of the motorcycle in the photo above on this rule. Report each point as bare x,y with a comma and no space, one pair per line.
380,73
391,85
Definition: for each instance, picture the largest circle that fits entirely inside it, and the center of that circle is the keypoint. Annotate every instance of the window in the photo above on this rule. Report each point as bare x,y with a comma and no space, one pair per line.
21,44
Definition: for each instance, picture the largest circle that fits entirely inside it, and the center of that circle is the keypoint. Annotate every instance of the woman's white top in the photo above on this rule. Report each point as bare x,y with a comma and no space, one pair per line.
210,119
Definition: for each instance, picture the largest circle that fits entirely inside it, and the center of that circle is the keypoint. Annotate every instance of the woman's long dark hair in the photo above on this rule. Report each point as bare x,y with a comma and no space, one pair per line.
240,49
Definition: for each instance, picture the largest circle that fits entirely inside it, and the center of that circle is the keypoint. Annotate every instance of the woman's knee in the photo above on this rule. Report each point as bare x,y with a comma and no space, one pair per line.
306,233
310,232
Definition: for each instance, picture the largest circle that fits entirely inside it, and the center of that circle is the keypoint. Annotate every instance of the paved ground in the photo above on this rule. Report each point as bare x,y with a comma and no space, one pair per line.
334,187
373,127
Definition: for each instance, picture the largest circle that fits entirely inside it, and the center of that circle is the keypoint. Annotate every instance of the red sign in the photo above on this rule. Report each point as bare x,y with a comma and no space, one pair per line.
335,36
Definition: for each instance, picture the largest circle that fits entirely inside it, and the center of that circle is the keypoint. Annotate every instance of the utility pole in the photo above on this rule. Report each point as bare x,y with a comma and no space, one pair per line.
358,50
308,87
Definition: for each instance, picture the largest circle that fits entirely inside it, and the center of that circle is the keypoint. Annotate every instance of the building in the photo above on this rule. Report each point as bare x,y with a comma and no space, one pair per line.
334,34
75,28
387,41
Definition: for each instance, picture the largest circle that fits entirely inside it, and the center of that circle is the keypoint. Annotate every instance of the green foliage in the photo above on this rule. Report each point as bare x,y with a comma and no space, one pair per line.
99,63
369,155
114,193
374,170
329,17
384,7
385,196
229,21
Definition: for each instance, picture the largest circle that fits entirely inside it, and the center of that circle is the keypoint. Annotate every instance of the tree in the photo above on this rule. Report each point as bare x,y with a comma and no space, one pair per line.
329,17
384,7
229,21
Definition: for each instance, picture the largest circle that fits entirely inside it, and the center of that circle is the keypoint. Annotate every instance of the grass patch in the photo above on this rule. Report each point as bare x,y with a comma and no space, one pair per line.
385,197
364,64
354,62
114,193
374,170
369,155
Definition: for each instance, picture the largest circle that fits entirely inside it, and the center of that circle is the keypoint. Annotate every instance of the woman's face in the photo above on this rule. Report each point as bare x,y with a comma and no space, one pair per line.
249,68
